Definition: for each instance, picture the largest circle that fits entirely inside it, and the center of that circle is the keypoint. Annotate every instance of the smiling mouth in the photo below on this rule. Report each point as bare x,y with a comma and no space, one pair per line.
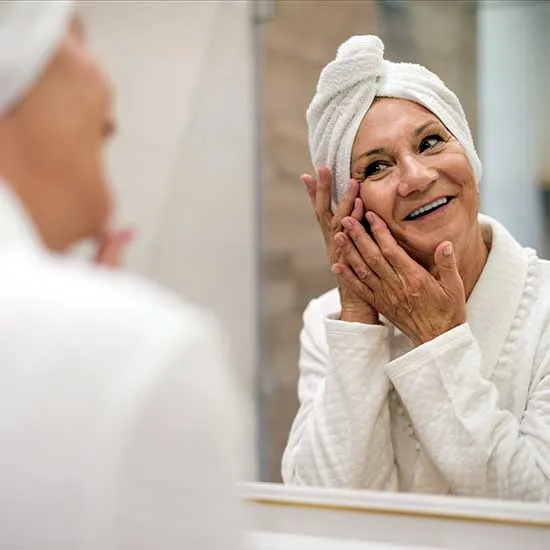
428,208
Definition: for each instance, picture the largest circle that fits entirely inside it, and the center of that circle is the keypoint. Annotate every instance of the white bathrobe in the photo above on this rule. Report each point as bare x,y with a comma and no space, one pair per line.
117,416
467,413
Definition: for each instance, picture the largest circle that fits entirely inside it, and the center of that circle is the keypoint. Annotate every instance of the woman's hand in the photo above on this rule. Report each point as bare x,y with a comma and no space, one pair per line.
110,247
421,304
353,307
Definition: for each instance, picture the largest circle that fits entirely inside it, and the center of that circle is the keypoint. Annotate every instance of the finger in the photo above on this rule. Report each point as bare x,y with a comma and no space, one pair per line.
347,277
311,185
394,254
447,269
368,249
358,211
323,198
111,247
345,206
350,255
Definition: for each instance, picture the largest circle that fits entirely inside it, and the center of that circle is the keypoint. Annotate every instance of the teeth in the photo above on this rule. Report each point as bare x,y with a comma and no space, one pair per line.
431,206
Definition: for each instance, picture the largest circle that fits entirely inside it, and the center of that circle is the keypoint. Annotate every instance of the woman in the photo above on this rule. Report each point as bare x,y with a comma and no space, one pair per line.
102,374
428,369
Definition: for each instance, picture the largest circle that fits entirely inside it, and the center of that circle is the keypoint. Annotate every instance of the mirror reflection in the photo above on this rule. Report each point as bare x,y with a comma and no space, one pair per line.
405,306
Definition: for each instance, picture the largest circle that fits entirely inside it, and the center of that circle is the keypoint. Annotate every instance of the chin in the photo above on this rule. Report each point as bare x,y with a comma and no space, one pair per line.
423,250
421,245
99,207
103,213
423,255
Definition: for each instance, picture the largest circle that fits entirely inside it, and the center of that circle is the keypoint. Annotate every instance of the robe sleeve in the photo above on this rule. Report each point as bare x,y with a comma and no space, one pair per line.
341,434
481,449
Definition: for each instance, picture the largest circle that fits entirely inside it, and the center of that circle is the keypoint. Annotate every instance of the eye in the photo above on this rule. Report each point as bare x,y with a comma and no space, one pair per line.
429,142
374,168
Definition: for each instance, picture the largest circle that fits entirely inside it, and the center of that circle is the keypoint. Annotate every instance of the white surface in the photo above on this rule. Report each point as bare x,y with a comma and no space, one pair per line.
275,541
401,519
404,503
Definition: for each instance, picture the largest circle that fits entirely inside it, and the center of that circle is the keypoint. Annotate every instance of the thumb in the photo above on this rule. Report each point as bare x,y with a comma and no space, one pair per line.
446,268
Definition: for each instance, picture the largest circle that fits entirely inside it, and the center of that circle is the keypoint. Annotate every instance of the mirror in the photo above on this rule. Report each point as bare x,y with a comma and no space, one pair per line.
493,56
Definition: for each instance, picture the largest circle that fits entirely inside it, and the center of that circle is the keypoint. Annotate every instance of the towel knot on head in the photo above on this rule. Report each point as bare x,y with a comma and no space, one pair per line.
346,90
359,46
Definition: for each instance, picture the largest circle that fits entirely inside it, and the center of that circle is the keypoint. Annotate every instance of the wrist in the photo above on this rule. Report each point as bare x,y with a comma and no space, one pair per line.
366,316
435,333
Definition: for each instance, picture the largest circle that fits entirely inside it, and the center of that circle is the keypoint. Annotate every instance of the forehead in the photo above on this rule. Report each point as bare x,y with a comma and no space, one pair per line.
389,120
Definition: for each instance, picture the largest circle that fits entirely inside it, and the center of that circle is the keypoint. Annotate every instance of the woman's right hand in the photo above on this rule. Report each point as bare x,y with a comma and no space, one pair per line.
353,308
111,245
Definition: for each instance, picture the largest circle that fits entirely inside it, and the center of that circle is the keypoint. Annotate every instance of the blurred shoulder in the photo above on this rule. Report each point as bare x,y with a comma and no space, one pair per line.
73,297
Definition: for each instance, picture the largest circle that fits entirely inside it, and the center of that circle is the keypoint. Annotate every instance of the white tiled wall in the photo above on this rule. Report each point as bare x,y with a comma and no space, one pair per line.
182,162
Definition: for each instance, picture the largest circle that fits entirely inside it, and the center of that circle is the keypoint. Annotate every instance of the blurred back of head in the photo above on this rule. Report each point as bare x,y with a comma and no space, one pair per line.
55,116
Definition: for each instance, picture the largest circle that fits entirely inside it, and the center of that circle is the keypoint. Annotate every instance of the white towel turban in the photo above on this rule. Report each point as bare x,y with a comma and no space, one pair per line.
29,34
346,89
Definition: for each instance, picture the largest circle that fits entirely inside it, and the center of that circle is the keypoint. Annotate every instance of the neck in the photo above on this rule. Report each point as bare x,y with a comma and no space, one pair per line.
41,190
472,256
43,207
43,211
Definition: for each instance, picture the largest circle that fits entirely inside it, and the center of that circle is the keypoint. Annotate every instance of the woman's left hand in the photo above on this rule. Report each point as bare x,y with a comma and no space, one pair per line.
421,304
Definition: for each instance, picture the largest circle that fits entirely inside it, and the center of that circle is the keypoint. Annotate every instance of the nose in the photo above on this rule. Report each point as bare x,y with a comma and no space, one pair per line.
416,175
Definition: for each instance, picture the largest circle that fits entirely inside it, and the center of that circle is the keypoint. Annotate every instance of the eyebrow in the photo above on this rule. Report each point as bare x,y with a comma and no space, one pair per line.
420,129
381,150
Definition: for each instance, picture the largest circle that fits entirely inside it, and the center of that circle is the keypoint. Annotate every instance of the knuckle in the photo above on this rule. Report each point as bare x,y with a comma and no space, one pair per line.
374,260
323,219
351,228
387,251
326,218
344,250
394,301
363,274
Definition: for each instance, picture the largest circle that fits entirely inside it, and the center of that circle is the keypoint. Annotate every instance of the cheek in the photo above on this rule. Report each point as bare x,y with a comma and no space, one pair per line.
379,198
456,168
89,99
77,117
93,103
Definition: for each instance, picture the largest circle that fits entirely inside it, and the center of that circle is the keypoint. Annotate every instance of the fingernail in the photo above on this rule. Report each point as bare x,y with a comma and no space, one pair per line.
371,218
448,250
336,269
346,223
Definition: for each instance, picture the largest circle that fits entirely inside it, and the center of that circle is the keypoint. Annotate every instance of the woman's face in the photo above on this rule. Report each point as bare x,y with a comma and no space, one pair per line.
406,161
67,118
